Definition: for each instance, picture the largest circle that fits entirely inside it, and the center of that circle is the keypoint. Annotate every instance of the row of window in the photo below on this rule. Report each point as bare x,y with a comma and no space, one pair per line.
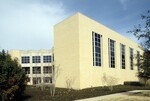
96,41
37,70
36,59
37,80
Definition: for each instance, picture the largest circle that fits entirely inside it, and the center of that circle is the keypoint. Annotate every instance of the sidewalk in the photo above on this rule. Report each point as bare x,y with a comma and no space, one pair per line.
105,97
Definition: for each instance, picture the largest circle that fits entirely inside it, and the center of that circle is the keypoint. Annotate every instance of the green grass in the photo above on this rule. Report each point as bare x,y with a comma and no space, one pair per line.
35,94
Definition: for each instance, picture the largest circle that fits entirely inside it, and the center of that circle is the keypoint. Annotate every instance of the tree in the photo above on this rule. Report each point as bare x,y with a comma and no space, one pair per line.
109,81
144,67
69,82
55,74
142,31
12,78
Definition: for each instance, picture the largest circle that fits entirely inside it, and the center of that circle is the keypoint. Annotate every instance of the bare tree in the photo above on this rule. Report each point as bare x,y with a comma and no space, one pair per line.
69,82
109,81
55,74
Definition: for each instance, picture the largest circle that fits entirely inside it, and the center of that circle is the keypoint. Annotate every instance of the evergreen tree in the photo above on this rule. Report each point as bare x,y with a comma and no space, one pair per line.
12,78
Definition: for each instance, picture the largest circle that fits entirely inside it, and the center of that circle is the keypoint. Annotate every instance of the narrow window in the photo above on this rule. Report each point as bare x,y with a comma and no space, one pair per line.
36,59
138,59
111,53
96,40
131,58
122,48
25,59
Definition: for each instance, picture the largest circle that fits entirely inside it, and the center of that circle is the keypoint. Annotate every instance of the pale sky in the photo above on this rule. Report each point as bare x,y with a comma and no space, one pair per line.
28,24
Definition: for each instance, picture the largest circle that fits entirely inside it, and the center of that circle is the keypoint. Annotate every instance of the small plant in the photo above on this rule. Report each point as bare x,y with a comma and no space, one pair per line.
69,83
109,81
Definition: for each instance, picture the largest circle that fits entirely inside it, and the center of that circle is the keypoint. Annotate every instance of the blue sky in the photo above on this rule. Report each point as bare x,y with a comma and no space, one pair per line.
28,24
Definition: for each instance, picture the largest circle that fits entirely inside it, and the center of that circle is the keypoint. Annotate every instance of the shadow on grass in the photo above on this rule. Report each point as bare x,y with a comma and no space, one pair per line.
23,98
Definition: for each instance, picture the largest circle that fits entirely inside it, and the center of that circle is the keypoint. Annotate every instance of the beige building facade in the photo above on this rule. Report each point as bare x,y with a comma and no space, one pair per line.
86,51
37,64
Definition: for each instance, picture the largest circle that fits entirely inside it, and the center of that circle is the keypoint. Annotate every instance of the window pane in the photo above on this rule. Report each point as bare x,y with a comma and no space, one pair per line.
36,70
25,59
47,69
122,47
26,69
36,59
131,58
112,53
96,39
46,59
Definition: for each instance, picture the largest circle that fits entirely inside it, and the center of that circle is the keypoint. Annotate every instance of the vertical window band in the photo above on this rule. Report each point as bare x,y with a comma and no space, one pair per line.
96,42
111,44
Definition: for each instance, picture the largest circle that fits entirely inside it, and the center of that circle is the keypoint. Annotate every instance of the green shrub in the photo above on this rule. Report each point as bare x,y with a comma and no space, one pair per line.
132,83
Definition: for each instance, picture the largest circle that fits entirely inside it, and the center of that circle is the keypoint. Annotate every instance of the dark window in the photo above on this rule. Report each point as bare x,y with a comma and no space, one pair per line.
111,53
26,69
131,58
96,40
47,79
47,69
36,70
25,59
36,80
122,56
138,59
36,59
46,59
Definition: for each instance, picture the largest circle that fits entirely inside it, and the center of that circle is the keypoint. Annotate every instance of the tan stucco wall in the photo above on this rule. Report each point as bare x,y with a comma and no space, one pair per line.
91,75
66,51
74,55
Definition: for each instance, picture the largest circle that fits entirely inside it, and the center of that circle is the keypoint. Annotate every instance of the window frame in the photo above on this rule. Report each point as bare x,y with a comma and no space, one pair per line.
36,59
131,59
97,49
26,70
36,71
47,59
47,69
112,53
123,56
25,59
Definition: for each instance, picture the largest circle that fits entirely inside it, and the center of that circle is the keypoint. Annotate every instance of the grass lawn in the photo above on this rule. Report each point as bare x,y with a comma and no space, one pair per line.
35,94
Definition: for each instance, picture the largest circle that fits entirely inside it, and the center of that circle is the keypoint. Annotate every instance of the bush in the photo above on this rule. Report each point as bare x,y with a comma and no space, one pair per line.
12,78
132,83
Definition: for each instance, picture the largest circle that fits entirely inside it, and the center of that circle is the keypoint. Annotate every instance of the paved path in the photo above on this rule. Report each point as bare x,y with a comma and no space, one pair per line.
106,97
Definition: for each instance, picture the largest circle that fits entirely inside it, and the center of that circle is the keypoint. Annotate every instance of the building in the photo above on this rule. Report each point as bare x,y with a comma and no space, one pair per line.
36,64
86,51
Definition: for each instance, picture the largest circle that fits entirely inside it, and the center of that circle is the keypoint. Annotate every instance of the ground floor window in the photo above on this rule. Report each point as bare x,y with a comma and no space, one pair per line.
26,69
47,79
36,80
